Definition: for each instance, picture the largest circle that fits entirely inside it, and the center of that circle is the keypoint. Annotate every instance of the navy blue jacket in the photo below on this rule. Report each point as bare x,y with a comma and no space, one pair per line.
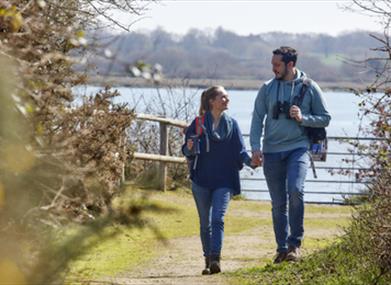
219,167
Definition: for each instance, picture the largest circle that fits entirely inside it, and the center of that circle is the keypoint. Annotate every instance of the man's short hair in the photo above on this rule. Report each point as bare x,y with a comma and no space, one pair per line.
288,54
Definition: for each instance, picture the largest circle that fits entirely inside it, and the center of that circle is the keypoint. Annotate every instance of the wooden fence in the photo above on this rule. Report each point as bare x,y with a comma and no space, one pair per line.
163,157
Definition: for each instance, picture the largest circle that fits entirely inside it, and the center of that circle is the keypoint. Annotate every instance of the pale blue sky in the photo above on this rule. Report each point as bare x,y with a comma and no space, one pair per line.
252,16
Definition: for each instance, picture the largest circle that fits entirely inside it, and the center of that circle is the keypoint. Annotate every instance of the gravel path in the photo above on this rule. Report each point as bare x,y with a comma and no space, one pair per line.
181,261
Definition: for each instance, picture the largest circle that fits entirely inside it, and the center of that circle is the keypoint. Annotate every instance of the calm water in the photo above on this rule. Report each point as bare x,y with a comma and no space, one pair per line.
345,122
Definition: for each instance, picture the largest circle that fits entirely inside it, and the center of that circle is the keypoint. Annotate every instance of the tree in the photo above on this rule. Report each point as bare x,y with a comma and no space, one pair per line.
372,221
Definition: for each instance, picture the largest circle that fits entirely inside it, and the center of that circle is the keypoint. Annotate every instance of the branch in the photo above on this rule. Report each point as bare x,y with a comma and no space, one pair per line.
104,15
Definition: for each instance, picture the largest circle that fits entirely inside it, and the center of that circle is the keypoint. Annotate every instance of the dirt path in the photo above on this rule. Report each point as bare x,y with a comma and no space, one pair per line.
180,262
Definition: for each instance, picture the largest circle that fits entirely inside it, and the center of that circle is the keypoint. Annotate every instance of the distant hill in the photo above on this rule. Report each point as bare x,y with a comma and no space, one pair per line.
225,55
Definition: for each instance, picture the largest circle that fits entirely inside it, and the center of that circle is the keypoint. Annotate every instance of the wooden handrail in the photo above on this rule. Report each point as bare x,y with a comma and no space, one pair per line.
172,122
158,157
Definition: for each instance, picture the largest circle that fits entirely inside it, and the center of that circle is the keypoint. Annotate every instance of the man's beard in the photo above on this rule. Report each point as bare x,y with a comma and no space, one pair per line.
282,75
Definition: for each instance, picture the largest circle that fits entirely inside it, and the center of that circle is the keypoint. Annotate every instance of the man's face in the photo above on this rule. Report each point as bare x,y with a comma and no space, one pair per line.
279,67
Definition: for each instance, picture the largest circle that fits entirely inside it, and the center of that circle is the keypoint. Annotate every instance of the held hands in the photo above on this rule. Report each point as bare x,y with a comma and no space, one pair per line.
295,113
256,159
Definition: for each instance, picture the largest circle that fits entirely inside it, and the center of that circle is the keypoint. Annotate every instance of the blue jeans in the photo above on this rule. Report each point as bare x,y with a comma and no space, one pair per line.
211,205
285,174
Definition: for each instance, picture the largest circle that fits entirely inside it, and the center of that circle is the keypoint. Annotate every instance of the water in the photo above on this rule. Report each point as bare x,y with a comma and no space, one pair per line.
343,107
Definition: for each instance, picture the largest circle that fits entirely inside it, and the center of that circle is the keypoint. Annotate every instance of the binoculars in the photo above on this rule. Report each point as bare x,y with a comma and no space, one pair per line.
281,108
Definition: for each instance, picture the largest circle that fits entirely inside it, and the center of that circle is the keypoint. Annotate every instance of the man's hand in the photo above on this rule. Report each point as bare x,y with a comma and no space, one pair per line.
256,159
295,113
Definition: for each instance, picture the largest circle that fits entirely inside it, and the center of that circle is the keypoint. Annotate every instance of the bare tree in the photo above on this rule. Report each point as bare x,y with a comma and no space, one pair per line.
373,222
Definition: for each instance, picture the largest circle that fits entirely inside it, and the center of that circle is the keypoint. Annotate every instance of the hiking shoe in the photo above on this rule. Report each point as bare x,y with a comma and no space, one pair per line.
206,271
280,257
215,264
293,253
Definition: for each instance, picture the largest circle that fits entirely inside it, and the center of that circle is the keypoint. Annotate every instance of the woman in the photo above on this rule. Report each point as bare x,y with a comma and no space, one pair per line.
215,148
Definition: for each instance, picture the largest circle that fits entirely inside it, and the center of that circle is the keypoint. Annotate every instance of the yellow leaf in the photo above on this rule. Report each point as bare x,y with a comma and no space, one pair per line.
39,129
80,34
16,22
29,108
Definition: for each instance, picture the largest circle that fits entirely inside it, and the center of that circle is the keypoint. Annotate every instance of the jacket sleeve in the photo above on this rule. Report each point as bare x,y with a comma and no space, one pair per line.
319,117
257,119
189,132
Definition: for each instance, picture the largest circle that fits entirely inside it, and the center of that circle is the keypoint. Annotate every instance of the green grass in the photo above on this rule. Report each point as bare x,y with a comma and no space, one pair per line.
330,209
343,260
113,255
334,265
321,223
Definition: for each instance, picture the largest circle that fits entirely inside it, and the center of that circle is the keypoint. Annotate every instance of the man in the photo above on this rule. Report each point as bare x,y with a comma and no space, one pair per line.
284,153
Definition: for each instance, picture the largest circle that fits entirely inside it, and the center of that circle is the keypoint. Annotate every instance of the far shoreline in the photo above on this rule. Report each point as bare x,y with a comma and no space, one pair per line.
230,84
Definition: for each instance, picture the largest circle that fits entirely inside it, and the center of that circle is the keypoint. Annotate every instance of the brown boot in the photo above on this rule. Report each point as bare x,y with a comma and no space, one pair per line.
280,257
293,253
215,264
206,271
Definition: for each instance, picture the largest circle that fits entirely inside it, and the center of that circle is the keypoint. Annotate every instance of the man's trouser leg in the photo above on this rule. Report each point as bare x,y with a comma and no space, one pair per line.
275,170
297,162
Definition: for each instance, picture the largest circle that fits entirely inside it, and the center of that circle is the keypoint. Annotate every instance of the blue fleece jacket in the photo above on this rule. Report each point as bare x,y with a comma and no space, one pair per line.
284,134
222,154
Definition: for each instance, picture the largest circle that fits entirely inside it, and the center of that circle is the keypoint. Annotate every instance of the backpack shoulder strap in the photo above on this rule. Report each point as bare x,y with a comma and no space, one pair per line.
304,87
199,124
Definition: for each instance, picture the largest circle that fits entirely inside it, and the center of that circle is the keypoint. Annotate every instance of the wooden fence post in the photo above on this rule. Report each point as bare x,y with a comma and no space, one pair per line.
163,151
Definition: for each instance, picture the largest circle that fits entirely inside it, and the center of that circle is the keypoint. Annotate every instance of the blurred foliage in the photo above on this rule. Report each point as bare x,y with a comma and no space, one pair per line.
60,162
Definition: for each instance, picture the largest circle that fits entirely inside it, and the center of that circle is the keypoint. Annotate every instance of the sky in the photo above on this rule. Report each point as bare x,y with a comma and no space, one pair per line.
252,16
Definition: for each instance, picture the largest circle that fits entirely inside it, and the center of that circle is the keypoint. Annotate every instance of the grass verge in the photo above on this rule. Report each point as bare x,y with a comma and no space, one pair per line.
342,261
330,266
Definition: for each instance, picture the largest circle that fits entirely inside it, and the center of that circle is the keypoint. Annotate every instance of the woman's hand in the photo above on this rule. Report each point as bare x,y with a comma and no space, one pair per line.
189,144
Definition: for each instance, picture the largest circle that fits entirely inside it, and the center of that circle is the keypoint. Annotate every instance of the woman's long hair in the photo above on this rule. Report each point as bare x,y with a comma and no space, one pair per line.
206,96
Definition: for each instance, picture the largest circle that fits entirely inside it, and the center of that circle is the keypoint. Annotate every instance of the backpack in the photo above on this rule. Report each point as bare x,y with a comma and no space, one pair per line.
317,136
199,123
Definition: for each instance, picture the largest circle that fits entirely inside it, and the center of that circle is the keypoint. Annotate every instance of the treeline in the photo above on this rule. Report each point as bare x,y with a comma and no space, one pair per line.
222,54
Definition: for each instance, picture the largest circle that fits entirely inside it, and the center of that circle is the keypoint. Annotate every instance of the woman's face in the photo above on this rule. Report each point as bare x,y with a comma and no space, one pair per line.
220,102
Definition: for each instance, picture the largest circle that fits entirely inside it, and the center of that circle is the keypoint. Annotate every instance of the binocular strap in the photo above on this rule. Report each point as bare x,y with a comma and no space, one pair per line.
195,162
